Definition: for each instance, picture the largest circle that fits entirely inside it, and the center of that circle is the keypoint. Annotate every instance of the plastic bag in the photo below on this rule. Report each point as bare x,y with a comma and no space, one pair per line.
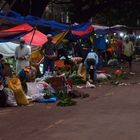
35,90
11,101
50,100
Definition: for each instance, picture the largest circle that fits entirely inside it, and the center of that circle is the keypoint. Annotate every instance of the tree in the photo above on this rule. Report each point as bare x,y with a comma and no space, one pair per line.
26,7
108,12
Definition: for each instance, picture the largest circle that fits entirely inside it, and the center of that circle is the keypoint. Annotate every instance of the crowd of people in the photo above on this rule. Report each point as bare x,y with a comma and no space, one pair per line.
92,58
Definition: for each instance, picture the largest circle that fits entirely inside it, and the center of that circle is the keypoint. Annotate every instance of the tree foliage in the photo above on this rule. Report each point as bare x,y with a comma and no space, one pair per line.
108,12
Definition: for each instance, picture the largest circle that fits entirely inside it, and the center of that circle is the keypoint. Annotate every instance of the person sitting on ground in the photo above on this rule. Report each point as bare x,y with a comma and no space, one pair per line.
27,74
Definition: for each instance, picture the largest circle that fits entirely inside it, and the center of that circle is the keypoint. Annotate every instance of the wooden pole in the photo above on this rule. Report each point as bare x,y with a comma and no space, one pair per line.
33,35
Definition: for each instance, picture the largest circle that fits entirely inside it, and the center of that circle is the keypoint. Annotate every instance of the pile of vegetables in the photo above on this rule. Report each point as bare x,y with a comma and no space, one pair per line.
76,79
65,100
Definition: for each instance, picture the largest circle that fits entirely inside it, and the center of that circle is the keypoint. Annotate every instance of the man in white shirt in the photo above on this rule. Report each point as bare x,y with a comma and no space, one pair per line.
22,55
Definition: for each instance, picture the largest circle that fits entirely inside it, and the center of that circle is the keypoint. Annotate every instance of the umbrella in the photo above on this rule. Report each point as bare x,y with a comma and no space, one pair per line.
35,38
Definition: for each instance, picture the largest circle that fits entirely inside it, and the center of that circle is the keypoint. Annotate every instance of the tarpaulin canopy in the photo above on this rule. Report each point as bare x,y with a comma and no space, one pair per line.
83,32
14,32
102,30
58,38
14,16
25,31
73,34
35,38
117,28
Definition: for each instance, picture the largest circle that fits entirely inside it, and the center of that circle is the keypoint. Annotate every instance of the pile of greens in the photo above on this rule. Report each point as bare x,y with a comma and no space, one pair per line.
76,79
65,100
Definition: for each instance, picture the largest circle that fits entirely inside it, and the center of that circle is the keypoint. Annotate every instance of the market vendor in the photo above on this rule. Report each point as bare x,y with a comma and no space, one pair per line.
22,55
128,51
83,51
91,62
27,74
49,52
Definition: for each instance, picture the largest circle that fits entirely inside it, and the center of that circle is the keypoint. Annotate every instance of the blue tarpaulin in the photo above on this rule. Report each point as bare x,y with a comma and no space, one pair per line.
34,21
83,30
13,16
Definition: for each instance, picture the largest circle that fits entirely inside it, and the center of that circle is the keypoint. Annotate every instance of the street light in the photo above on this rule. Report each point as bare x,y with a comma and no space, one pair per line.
121,34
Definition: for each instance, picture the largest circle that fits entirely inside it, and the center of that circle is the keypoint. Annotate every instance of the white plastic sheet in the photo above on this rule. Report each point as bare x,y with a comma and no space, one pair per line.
8,49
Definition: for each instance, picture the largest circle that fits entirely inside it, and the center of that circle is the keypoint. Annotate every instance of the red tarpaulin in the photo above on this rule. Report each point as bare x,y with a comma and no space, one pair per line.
23,28
35,38
82,33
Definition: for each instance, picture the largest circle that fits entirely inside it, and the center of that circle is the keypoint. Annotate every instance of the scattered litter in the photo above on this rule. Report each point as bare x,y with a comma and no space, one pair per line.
89,85
59,122
109,94
123,84
80,86
132,73
101,76
117,82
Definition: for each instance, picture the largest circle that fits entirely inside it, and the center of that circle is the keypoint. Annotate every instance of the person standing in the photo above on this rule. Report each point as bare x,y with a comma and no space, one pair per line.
128,50
83,51
119,49
49,53
22,55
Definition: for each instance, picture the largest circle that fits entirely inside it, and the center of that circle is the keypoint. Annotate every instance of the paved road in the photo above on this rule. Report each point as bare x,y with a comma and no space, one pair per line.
110,113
